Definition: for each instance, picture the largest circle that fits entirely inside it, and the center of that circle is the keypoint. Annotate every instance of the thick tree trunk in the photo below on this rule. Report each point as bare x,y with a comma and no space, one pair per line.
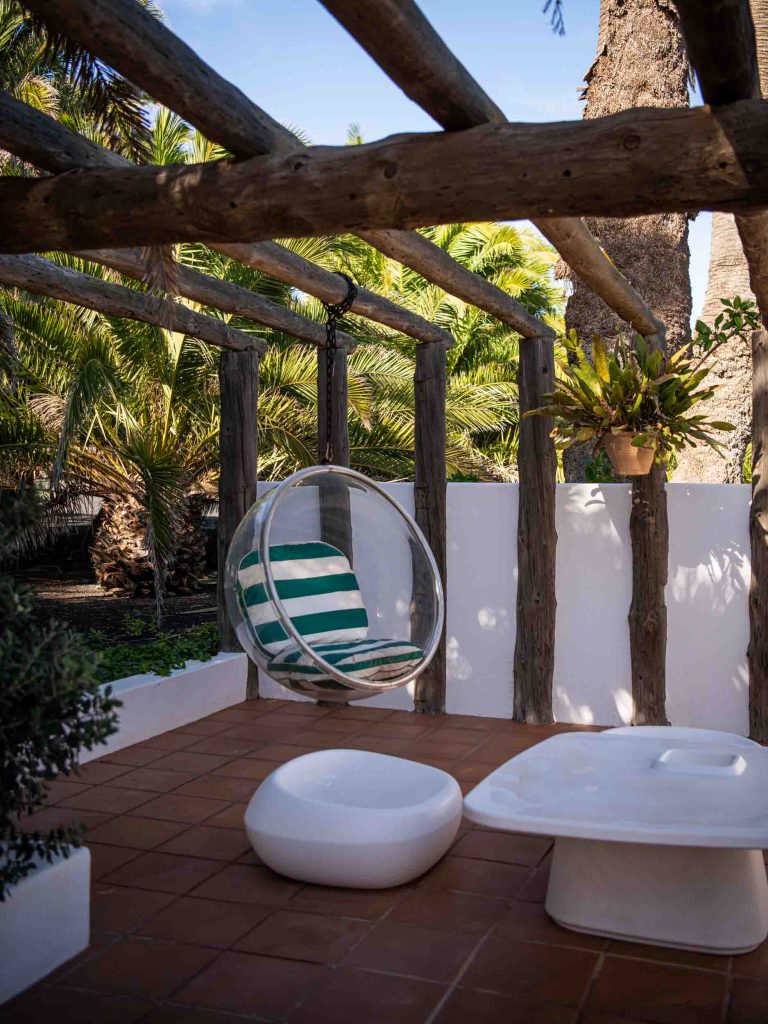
238,458
732,371
758,533
536,540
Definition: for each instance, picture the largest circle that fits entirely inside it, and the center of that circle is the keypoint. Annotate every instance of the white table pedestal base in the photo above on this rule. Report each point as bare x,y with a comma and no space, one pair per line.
710,900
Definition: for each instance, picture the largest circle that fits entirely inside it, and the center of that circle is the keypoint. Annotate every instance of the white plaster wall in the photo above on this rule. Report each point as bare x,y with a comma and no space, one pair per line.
706,598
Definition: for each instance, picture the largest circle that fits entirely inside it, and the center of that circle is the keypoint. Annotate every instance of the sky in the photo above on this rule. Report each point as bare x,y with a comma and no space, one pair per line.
297,63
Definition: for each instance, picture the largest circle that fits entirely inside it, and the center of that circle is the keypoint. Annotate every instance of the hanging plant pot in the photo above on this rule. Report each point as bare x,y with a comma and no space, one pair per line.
628,459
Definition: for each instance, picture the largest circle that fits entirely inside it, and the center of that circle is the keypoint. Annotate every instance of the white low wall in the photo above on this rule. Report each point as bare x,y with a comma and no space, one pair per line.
706,599
152,704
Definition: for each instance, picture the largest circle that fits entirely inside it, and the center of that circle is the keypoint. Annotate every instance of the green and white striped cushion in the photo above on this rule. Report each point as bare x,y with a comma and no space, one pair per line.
318,590
371,660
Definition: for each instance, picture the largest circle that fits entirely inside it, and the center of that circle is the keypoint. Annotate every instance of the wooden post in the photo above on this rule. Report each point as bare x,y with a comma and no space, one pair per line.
758,535
536,539
335,511
429,491
649,533
239,446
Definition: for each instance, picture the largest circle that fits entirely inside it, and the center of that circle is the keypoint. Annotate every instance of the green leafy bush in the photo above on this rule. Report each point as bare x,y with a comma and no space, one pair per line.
50,707
629,388
162,655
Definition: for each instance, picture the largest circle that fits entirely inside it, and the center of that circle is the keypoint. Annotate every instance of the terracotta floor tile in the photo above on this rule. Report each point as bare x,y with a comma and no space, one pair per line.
449,911
51,1004
361,997
188,809
530,971
105,859
219,787
317,938
529,922
280,752
96,772
169,741
135,756
394,730
97,940
244,983
203,727
169,1014
203,841
506,847
64,817
356,712
203,922
661,993
498,749
243,883
749,1002
184,761
472,771
754,964
119,909
468,738
152,779
665,954
464,1005
419,952
236,716
107,799
335,726
474,723
142,967
59,789
484,878
258,733
368,904
164,872
429,752
247,768
135,832
230,817
535,889
226,746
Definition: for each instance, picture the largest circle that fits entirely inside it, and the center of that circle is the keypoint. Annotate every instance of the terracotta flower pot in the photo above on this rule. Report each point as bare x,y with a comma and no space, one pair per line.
626,458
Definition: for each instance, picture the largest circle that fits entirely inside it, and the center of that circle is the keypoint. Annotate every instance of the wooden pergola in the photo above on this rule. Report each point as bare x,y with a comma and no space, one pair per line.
95,203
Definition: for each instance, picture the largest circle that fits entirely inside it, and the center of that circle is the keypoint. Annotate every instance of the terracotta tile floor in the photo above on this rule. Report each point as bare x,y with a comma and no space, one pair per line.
188,926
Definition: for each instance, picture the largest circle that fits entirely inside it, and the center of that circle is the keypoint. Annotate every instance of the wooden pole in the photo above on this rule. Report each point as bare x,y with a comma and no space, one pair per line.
536,539
239,447
649,534
335,509
758,537
429,491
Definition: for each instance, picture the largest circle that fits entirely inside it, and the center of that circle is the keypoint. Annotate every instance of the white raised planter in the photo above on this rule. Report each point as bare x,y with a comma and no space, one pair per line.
44,921
153,704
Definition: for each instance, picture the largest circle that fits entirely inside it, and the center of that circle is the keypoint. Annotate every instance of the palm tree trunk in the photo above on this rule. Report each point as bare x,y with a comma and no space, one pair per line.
728,276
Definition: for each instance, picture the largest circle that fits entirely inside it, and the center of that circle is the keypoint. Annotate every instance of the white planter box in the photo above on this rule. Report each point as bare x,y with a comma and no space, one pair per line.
44,921
153,704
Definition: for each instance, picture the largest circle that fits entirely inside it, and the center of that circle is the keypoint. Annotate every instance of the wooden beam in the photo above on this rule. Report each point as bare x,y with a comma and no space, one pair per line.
757,652
147,53
404,44
720,40
42,277
534,663
238,461
51,146
223,295
429,490
633,163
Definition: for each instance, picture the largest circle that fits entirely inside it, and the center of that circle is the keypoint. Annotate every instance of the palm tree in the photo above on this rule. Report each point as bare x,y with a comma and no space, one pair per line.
732,371
641,61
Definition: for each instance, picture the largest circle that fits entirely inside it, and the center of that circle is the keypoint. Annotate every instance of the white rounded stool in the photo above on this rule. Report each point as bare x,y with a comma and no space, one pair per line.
354,819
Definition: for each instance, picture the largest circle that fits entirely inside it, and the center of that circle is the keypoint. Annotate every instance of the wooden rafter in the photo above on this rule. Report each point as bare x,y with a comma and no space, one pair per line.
124,35
633,163
42,277
48,144
720,40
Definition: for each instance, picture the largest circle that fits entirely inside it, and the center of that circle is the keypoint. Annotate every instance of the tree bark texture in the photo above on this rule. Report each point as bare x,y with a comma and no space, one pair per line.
758,536
335,509
238,448
429,490
536,540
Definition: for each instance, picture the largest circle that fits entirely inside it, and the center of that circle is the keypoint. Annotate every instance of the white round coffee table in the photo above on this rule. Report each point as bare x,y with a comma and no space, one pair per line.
658,837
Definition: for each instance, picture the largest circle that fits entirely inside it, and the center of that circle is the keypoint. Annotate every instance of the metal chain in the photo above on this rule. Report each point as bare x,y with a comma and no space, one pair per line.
335,312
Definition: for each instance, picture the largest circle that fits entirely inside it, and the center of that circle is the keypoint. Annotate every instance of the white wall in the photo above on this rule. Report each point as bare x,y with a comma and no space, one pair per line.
706,599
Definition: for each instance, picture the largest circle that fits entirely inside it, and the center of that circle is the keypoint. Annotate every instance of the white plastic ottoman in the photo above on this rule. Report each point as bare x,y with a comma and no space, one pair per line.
354,819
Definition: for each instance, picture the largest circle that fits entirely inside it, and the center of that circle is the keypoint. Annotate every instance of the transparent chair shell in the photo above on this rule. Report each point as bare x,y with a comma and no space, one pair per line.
325,548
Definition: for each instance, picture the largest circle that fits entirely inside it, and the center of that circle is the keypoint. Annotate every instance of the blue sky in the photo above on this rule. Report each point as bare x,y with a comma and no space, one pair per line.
295,61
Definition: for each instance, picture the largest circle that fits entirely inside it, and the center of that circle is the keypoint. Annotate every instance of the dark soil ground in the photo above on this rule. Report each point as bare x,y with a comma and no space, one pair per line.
67,589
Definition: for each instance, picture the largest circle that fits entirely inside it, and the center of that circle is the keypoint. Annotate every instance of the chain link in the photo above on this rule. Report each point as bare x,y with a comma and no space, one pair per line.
335,313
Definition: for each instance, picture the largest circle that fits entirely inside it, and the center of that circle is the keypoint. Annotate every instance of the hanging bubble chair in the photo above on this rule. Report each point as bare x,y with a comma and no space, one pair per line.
332,588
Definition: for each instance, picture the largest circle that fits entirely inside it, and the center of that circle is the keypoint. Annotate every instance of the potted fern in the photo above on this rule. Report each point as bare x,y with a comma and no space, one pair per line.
641,405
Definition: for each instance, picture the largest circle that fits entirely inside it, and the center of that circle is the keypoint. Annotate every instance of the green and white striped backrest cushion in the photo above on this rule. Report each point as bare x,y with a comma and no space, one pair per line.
318,590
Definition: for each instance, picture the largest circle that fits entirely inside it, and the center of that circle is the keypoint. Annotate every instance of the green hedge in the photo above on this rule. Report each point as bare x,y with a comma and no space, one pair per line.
162,654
